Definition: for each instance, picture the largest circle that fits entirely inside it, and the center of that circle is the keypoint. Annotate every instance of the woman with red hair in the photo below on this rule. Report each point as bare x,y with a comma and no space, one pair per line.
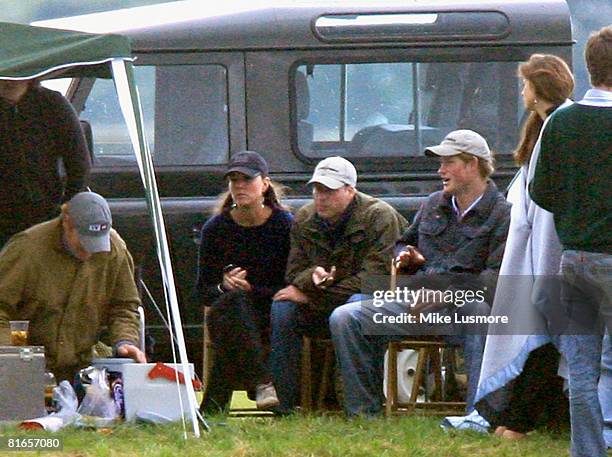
519,387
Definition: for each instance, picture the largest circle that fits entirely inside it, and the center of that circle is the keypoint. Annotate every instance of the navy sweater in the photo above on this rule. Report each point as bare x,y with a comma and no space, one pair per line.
262,251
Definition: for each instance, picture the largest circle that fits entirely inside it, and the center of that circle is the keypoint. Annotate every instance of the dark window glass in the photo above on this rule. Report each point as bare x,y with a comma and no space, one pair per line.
398,109
185,116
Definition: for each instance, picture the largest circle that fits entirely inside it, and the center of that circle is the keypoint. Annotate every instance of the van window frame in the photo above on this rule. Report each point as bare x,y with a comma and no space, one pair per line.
232,62
480,54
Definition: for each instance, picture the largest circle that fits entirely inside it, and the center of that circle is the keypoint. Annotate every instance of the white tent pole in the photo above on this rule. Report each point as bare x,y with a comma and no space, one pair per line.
132,111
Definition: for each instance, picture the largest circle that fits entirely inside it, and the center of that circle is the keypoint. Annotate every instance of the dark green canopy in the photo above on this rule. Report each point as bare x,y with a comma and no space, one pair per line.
33,52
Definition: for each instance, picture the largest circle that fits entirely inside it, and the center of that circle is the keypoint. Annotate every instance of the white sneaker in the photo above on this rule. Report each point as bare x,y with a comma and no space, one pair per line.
265,396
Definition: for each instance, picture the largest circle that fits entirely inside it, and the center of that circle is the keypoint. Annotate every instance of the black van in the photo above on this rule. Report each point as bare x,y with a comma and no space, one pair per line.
374,82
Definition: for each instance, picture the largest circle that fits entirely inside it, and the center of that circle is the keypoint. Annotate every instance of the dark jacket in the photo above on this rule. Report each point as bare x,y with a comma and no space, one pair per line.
465,254
363,248
35,134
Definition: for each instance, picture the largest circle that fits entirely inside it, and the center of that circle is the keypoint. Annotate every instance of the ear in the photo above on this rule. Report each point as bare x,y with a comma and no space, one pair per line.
267,184
474,163
66,221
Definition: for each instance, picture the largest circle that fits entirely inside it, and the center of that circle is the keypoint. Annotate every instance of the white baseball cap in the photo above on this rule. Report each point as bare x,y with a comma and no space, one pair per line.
335,172
461,141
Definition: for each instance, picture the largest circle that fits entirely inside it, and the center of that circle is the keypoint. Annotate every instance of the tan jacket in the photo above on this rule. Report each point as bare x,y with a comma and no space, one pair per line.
365,249
68,302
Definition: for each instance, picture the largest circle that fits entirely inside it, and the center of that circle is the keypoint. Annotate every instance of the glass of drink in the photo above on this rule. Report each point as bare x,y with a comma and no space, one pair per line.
19,332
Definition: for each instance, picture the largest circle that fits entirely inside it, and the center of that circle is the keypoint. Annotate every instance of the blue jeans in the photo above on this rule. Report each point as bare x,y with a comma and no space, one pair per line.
286,347
585,292
360,349
287,327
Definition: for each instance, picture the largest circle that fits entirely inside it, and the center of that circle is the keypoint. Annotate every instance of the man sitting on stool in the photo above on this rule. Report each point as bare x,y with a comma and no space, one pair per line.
455,244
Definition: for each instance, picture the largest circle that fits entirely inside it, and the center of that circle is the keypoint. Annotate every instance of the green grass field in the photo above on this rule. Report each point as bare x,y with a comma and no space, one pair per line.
409,436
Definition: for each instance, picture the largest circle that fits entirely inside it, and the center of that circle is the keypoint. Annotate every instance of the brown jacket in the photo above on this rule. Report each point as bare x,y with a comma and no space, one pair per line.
68,302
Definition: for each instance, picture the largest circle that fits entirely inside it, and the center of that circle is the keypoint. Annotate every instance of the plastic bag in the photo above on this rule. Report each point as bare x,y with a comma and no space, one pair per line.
66,400
98,407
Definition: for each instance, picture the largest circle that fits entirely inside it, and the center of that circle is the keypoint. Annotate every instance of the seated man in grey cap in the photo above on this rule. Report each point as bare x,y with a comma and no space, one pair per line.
337,240
452,252
71,277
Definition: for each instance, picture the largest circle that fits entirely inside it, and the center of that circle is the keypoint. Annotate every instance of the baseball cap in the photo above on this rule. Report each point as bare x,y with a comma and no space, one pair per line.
248,163
461,141
91,216
334,172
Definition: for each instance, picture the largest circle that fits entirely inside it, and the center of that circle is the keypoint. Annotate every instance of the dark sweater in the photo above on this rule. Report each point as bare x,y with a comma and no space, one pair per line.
572,178
262,251
34,134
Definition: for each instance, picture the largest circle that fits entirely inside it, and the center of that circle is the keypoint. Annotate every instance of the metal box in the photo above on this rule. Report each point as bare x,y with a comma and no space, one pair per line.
22,386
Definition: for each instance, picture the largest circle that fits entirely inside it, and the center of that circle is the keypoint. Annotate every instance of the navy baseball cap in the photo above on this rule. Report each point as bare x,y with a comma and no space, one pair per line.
248,163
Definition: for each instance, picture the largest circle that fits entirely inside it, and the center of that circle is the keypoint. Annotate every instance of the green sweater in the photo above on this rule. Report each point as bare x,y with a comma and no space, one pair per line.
67,301
572,177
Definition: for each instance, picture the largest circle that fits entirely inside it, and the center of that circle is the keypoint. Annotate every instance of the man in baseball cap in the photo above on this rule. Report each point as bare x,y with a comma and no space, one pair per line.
90,216
71,277
339,238
440,249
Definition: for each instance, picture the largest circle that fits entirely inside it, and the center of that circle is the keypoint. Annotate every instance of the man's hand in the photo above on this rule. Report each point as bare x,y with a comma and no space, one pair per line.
409,258
131,351
235,279
322,278
291,293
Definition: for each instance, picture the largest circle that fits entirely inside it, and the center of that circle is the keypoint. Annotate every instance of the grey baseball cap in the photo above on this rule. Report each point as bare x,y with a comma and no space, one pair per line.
461,141
334,172
91,216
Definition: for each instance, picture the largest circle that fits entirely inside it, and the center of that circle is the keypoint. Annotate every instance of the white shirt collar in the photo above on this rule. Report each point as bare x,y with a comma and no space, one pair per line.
597,97
461,215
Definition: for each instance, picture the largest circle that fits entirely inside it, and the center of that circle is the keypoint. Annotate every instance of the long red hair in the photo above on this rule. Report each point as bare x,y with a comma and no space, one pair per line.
552,82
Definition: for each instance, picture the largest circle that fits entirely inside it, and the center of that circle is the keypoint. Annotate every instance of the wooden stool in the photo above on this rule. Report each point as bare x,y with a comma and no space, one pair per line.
428,351
306,389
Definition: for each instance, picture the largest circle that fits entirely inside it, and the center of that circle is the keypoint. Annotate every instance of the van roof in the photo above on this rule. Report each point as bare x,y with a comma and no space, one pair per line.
276,24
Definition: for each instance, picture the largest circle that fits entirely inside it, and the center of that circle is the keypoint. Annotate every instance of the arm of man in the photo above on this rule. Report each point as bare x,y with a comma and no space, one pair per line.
123,321
72,147
14,273
299,264
410,237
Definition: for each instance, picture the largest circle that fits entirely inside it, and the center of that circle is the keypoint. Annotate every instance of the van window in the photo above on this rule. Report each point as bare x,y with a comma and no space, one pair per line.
397,109
185,116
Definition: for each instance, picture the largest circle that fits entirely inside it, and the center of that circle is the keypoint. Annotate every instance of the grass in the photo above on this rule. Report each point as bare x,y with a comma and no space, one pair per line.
409,436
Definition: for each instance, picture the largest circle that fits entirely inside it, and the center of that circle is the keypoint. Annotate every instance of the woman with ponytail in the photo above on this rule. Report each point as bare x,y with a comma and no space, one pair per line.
519,387
241,264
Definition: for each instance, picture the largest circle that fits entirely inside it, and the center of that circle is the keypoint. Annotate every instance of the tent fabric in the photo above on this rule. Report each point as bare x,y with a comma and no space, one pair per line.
28,52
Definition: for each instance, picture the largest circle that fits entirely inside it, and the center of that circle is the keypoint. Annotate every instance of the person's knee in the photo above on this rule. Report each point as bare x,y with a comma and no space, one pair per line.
343,317
283,314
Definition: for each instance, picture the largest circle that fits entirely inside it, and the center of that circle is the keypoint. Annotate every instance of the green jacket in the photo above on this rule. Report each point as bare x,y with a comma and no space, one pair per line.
365,248
68,302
